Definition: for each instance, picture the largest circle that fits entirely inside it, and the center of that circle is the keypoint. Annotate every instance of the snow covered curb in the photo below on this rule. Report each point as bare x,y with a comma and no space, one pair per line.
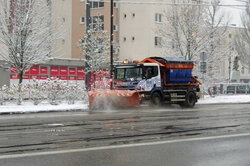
225,99
28,107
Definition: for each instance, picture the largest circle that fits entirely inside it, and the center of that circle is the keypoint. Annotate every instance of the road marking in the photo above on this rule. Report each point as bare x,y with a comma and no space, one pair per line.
119,146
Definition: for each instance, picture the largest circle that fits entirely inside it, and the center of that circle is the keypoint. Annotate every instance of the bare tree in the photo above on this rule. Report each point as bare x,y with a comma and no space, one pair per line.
26,33
182,30
242,40
191,29
217,52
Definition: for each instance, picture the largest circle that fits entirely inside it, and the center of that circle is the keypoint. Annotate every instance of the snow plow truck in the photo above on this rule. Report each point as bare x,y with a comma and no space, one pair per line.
157,80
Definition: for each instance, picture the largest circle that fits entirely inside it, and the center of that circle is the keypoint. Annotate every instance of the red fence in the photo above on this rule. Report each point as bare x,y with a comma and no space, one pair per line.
66,73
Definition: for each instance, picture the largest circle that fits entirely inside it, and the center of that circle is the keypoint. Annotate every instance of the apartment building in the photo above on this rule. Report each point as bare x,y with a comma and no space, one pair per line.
62,18
72,15
138,23
98,9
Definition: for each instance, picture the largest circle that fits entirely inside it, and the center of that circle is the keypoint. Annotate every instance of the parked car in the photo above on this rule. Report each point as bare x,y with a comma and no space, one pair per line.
242,89
231,89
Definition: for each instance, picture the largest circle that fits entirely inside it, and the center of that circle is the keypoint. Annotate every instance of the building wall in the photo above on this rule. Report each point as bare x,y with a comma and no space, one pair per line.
78,30
4,74
62,21
138,21
244,71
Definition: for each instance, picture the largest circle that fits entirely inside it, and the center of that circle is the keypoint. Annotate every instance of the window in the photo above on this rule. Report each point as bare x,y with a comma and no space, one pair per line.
230,46
125,15
125,73
133,15
82,20
133,38
96,4
149,71
124,39
97,22
158,17
176,1
158,41
48,2
115,5
242,70
115,28
230,35
174,44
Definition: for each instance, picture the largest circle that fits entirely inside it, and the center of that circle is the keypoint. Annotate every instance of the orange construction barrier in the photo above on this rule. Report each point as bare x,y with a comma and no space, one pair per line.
113,98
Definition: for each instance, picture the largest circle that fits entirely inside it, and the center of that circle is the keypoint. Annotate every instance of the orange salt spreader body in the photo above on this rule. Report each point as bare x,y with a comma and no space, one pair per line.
113,98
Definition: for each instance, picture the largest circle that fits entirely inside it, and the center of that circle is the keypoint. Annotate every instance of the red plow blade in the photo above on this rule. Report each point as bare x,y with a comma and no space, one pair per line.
113,98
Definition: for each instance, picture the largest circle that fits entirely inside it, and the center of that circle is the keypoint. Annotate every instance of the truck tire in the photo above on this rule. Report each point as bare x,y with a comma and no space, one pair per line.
156,99
190,100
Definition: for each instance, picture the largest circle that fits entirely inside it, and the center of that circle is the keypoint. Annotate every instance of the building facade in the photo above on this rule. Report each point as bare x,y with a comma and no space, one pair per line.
135,26
70,15
242,74
138,25
98,10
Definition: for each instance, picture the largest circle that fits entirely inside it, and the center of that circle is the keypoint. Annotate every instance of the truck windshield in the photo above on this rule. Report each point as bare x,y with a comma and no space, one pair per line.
127,73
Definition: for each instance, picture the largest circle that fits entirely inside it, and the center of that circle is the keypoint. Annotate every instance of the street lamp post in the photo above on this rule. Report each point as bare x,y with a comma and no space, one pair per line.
111,41
203,65
87,74
229,69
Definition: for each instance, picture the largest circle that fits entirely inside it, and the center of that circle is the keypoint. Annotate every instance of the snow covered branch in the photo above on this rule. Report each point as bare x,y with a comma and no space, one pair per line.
26,32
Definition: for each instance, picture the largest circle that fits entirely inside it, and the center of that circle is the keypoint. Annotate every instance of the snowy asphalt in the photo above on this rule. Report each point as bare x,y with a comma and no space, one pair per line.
22,134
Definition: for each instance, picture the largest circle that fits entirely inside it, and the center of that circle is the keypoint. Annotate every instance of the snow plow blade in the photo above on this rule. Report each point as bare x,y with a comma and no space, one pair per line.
102,99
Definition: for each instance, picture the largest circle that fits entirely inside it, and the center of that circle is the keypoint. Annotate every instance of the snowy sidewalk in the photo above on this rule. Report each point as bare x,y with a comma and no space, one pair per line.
28,107
225,99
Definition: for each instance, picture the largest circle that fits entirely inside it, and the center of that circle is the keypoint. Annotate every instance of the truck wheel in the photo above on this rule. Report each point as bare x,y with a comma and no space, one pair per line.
156,99
190,100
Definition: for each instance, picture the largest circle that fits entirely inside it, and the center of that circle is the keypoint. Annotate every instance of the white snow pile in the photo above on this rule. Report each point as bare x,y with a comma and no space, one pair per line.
29,107
234,99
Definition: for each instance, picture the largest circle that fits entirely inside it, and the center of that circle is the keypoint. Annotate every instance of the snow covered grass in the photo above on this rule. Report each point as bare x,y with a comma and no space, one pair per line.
29,107
223,99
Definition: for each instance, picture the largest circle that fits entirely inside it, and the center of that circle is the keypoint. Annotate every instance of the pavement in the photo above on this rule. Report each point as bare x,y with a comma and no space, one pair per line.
28,107
210,151
205,135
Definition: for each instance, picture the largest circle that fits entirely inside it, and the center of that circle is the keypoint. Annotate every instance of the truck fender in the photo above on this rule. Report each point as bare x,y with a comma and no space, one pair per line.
157,90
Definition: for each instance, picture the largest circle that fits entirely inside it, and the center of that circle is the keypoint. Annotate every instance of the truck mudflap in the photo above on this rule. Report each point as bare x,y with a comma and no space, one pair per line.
199,95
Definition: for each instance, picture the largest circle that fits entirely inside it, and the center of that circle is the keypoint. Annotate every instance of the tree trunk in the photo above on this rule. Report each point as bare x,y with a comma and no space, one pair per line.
19,91
94,80
20,77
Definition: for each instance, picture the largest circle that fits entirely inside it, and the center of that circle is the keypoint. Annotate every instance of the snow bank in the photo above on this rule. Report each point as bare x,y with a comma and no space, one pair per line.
28,107
225,99
42,107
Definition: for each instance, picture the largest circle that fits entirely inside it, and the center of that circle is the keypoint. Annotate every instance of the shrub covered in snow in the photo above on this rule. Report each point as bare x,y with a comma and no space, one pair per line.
54,91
